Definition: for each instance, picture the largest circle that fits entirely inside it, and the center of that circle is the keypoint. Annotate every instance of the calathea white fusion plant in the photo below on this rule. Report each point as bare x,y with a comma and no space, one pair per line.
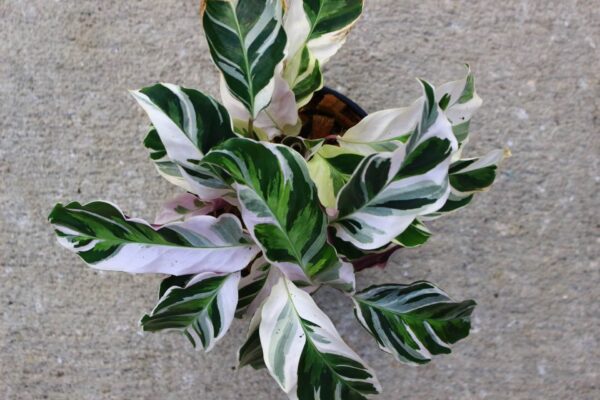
289,187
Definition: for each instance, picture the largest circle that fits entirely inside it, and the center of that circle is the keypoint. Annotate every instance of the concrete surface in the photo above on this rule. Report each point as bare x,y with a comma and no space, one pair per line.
527,251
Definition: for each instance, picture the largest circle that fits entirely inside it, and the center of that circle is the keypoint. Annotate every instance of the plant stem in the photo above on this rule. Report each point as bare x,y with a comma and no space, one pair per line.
251,129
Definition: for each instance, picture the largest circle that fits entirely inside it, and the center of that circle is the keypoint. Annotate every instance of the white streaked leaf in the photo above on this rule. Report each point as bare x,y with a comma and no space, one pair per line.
383,131
388,191
280,208
460,102
187,124
105,239
304,352
316,30
247,42
202,310
413,322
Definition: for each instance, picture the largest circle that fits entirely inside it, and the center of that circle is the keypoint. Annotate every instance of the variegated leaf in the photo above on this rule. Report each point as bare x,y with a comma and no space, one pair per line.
389,190
279,205
280,117
186,125
459,101
383,131
330,168
105,239
304,352
255,287
316,30
386,130
247,41
202,310
469,176
413,322
251,352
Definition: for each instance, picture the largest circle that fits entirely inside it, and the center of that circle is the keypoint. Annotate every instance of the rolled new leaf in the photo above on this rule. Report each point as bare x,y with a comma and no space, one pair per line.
202,310
387,130
388,191
304,352
280,117
330,168
316,30
105,239
280,208
255,287
413,322
459,101
186,125
246,40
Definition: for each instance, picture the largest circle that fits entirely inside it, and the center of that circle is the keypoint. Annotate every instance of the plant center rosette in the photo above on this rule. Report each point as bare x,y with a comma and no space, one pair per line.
286,187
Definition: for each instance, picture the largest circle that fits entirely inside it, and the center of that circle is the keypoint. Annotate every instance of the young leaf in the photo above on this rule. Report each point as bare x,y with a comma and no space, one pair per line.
414,236
304,352
280,117
316,30
246,41
105,239
383,131
280,208
389,190
467,177
202,310
413,322
187,124
330,168
461,103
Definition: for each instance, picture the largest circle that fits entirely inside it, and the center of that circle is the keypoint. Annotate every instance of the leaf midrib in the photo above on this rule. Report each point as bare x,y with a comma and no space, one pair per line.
246,64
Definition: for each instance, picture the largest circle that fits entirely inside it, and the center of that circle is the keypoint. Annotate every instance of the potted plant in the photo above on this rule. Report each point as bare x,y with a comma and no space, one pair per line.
287,187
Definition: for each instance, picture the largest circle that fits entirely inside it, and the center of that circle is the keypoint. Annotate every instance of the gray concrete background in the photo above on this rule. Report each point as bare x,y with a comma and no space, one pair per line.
527,251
